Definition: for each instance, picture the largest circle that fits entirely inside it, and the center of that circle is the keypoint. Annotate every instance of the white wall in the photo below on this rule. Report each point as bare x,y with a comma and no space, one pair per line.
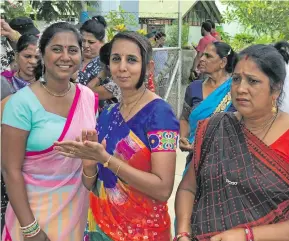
232,28
194,35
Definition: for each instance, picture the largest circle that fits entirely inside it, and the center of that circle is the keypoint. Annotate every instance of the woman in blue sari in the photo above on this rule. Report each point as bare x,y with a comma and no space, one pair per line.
204,98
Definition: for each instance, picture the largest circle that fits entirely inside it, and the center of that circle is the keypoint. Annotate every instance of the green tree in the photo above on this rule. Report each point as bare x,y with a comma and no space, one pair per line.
44,10
173,35
260,16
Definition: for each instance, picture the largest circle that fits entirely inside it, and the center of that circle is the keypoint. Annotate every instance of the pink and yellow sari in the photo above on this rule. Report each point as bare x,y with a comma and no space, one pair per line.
57,197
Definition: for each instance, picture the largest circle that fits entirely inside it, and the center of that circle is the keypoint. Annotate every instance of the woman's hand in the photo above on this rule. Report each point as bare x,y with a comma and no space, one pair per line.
89,150
237,234
41,236
6,30
185,144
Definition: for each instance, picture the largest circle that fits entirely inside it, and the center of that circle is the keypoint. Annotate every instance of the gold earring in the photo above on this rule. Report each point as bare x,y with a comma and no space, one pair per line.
274,106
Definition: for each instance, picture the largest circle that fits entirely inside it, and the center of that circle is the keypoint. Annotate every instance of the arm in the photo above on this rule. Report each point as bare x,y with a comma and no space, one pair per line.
161,177
184,201
10,33
184,128
196,61
13,143
103,93
273,232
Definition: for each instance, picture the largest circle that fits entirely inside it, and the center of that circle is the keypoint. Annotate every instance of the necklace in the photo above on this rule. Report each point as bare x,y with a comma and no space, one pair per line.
262,127
121,105
267,124
56,94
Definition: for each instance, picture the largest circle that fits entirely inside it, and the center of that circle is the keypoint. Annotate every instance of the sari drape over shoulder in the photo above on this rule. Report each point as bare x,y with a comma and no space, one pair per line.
240,180
117,210
56,195
218,101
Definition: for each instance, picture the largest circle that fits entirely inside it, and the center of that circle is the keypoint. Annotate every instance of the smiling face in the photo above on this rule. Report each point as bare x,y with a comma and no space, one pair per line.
125,63
251,93
90,45
27,61
62,56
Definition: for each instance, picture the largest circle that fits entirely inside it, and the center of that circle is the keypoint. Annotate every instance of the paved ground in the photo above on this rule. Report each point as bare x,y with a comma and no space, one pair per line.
181,160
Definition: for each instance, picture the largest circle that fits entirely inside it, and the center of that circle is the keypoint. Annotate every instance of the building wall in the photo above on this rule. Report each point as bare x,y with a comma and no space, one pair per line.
163,8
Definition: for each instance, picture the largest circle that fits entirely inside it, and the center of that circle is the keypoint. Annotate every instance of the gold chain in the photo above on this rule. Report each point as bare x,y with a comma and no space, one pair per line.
54,94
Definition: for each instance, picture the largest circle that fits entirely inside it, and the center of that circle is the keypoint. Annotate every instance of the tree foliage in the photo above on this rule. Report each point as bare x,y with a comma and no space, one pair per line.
260,16
43,10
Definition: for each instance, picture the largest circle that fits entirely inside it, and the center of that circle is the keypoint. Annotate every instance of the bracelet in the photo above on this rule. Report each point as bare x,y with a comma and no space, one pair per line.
117,170
31,230
180,235
15,37
90,177
249,233
107,162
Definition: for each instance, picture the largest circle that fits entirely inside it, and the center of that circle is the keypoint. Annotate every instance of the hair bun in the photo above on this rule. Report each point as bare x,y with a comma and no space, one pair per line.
100,19
283,49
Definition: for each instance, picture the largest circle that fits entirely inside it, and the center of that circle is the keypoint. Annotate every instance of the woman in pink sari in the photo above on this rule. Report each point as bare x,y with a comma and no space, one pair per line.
47,198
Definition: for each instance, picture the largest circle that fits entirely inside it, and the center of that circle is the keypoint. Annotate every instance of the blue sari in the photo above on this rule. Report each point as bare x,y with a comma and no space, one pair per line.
218,101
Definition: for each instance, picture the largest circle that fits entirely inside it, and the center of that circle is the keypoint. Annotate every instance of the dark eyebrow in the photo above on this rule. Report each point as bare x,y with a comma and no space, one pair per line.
70,46
130,55
248,75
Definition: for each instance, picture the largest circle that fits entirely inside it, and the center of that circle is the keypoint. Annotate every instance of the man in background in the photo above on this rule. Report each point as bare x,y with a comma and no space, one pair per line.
203,43
214,33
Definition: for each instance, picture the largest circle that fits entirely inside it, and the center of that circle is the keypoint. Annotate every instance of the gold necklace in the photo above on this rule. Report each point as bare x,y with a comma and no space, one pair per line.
121,105
54,94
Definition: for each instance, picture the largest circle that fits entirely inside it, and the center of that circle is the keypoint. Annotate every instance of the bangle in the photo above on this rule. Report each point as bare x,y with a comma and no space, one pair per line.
90,177
180,235
16,35
249,233
31,230
107,162
117,170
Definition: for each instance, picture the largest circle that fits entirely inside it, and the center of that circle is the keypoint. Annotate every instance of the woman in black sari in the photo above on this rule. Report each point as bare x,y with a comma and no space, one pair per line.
237,185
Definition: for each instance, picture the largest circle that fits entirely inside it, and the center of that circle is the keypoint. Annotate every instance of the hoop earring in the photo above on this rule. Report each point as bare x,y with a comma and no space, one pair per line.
274,106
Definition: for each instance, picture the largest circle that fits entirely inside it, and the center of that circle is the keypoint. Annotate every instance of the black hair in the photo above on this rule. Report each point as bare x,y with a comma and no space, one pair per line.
207,26
283,49
24,41
95,26
104,53
211,22
145,50
159,35
225,51
270,62
55,28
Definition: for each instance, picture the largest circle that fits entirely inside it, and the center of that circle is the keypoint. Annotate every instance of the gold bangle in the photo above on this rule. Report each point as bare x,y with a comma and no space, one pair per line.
89,177
117,170
16,36
107,162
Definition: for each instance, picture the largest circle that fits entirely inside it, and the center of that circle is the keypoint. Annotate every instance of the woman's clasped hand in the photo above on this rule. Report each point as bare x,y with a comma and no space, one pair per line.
85,147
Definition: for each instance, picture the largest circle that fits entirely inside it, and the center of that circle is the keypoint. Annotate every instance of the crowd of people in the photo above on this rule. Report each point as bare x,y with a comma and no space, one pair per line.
89,150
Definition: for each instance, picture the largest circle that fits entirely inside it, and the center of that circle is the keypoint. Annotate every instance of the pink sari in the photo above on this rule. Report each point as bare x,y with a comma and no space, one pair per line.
56,195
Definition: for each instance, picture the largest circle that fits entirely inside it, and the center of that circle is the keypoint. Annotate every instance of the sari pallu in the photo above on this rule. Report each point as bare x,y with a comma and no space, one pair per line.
56,195
218,101
118,211
240,180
